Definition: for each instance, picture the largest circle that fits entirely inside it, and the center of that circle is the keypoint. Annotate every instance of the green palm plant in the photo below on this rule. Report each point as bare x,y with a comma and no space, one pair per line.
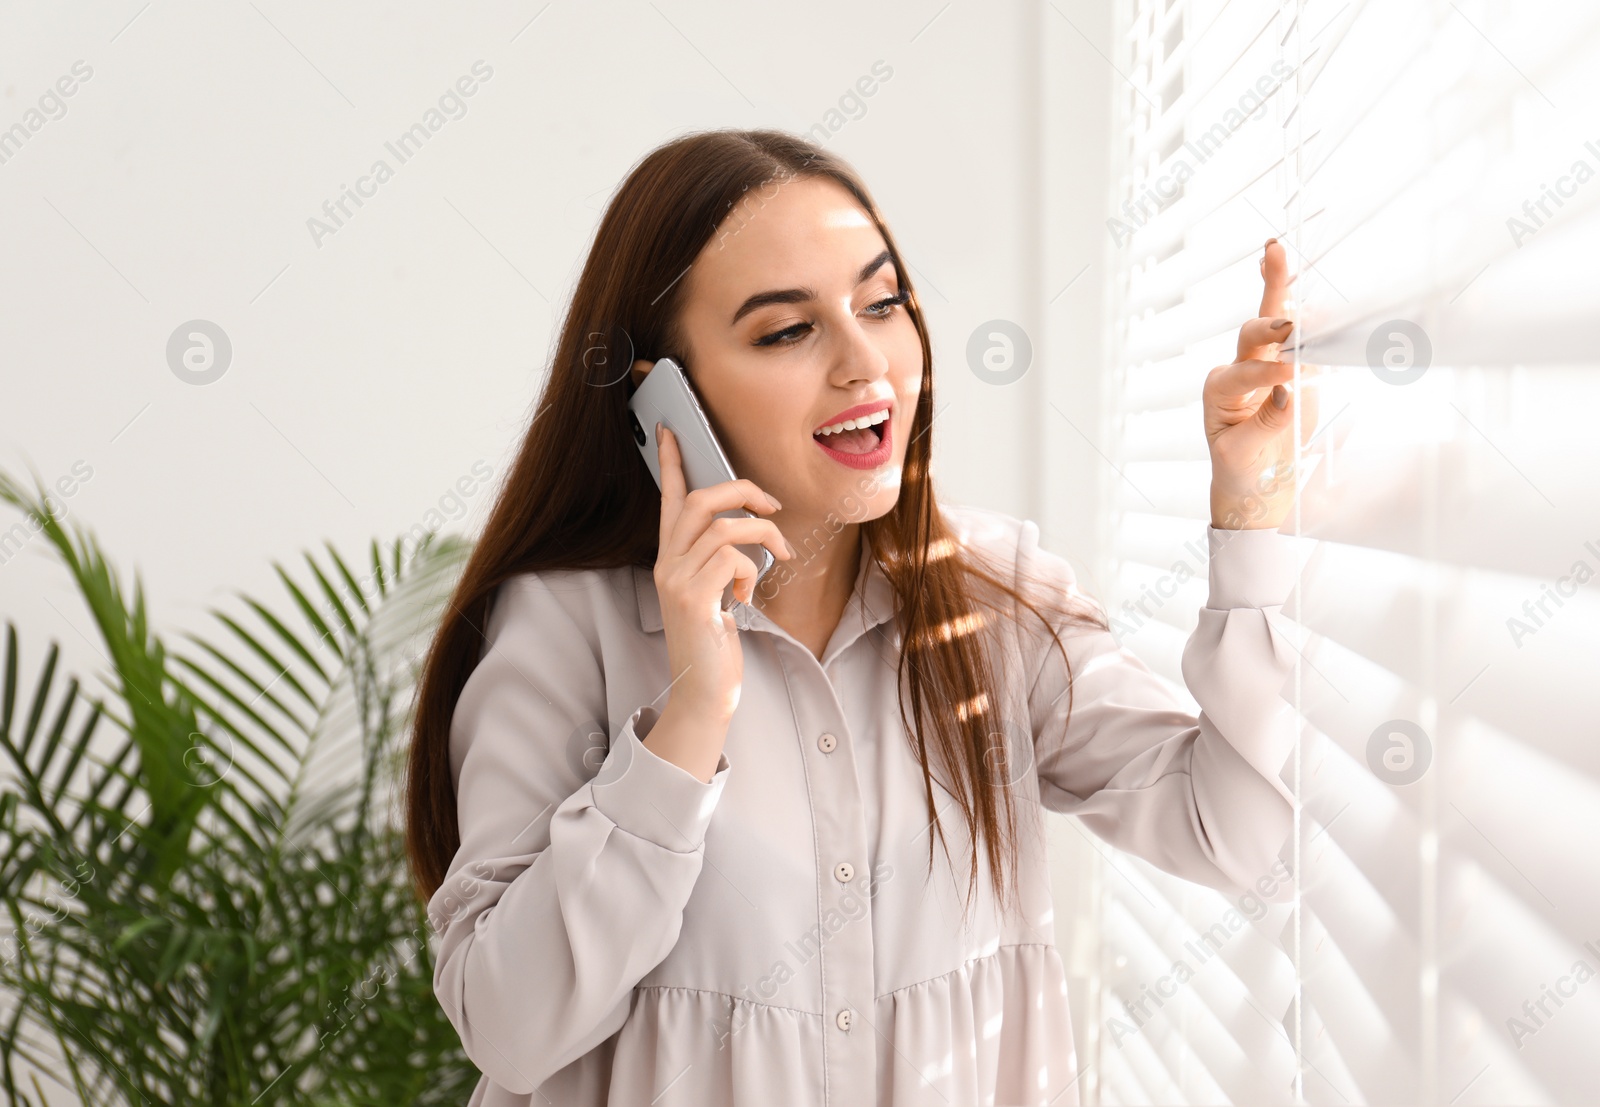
204,871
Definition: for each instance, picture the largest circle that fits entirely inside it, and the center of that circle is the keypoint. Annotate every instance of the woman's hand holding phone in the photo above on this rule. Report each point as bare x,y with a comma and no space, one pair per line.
695,562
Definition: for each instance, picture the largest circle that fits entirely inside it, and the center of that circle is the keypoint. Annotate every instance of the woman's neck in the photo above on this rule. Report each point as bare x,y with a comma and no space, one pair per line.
807,594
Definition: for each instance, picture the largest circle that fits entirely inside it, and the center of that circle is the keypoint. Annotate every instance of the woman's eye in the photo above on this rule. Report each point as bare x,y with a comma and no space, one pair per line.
889,303
779,338
882,309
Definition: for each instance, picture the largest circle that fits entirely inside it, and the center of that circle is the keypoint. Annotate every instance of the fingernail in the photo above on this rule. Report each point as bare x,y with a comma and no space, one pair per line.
658,433
1276,323
1280,397
1268,242
775,504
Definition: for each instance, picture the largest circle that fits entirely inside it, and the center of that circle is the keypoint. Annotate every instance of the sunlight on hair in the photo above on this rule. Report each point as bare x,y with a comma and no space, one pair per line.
977,705
960,626
941,548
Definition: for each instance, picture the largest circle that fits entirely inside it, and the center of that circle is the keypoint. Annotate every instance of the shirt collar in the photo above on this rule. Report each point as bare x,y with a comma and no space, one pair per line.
872,600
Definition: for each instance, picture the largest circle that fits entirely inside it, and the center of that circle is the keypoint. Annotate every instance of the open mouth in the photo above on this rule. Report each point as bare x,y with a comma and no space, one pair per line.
860,447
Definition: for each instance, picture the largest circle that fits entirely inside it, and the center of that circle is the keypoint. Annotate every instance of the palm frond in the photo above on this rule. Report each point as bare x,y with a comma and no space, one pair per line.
222,828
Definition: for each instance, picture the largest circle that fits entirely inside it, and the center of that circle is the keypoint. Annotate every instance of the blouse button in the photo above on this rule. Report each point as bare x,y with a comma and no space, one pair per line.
826,743
844,871
843,1019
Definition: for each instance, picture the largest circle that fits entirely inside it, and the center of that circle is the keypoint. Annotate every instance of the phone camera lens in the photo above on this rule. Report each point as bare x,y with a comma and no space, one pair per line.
638,431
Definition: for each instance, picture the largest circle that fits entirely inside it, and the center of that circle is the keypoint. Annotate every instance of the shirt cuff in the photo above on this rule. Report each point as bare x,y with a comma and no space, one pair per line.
1250,568
649,796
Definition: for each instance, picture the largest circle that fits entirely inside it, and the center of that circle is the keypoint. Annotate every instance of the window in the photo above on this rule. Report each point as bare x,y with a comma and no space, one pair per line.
1433,167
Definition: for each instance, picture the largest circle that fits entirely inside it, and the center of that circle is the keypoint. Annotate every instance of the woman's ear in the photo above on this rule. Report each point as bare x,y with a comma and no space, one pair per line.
640,368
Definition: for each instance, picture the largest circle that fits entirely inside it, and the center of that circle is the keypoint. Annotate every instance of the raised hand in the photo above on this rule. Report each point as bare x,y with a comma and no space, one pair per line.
1250,409
696,560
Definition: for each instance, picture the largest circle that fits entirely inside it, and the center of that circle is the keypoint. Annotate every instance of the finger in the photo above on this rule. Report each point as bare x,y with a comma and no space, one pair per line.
672,482
736,532
728,564
702,504
1258,336
1244,377
1250,436
1270,419
1275,280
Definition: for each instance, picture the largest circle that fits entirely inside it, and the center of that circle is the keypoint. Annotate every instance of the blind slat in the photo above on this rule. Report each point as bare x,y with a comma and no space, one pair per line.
1432,164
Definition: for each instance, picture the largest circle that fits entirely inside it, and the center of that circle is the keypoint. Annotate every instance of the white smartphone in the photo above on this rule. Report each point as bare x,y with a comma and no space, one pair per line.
666,396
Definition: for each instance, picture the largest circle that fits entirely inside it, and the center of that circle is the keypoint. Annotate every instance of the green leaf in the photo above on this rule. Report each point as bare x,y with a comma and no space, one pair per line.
216,868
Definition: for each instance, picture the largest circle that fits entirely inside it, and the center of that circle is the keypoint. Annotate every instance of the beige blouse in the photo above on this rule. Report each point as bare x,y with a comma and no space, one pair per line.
613,930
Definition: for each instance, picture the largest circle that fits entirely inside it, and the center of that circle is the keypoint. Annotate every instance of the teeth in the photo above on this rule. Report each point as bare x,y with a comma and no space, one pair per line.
856,424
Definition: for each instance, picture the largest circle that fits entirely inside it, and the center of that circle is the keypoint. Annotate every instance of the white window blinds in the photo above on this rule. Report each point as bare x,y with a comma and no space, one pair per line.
1433,168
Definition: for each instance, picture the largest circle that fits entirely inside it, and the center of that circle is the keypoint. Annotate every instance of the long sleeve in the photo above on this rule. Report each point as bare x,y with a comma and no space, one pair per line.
568,887
1198,796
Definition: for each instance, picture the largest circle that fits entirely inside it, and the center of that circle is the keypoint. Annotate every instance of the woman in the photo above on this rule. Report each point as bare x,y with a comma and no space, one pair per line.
672,851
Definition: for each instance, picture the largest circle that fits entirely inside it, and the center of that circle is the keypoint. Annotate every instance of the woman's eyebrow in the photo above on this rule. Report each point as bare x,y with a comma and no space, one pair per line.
801,295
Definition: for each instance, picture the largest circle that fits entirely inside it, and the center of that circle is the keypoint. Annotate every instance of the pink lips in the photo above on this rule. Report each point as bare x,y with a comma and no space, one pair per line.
856,412
872,458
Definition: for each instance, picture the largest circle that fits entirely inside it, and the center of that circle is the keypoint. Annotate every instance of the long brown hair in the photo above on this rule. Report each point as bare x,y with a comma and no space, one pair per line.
579,497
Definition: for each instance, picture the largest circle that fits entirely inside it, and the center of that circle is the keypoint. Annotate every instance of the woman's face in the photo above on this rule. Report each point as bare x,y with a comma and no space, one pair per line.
786,330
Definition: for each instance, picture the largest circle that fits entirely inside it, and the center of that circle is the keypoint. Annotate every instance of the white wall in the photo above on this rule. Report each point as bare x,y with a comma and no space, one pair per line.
374,369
